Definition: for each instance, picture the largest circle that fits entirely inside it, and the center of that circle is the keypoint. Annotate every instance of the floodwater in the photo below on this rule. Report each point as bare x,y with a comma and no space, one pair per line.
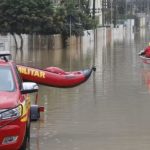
110,111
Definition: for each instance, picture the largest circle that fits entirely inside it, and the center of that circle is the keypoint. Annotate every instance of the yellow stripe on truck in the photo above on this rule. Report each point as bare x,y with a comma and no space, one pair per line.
26,108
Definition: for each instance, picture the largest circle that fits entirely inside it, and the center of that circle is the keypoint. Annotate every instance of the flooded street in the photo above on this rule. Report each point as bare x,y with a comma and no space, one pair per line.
111,111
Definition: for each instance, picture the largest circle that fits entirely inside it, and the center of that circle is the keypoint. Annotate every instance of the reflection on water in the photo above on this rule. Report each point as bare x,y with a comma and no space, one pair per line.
146,74
108,112
38,55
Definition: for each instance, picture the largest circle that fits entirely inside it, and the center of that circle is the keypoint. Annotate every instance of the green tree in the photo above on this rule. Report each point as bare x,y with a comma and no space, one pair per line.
78,16
25,17
43,17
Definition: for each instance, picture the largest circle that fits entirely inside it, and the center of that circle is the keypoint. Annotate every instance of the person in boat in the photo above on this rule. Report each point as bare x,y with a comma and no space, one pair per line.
146,51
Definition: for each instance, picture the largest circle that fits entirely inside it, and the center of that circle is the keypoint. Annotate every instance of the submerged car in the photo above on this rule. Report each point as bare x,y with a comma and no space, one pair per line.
15,106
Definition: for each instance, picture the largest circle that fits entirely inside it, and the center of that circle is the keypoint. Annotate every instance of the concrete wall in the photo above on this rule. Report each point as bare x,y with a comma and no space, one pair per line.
100,36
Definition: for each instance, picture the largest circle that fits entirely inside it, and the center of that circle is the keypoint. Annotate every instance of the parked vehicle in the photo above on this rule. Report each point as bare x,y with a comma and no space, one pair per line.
15,107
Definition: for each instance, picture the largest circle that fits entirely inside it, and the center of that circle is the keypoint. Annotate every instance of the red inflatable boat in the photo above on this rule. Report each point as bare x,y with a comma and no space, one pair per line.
146,60
53,76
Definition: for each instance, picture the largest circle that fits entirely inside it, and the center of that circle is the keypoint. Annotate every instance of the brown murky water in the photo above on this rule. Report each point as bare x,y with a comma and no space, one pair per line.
111,111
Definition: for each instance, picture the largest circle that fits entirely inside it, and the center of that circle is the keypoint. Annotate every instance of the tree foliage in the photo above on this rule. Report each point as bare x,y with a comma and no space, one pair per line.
79,16
25,16
44,17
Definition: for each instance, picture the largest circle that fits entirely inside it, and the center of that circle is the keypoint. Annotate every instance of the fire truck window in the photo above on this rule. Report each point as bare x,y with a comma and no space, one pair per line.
6,79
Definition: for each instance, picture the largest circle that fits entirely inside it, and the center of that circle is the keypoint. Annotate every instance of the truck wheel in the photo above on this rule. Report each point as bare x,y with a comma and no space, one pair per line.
34,113
28,130
26,138
24,144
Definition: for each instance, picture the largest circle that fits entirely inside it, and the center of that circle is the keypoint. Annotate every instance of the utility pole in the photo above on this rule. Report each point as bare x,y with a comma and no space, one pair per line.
125,9
103,11
79,4
147,7
93,9
115,13
111,12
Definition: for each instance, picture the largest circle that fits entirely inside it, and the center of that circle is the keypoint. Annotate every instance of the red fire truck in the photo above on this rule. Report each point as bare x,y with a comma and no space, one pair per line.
16,110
